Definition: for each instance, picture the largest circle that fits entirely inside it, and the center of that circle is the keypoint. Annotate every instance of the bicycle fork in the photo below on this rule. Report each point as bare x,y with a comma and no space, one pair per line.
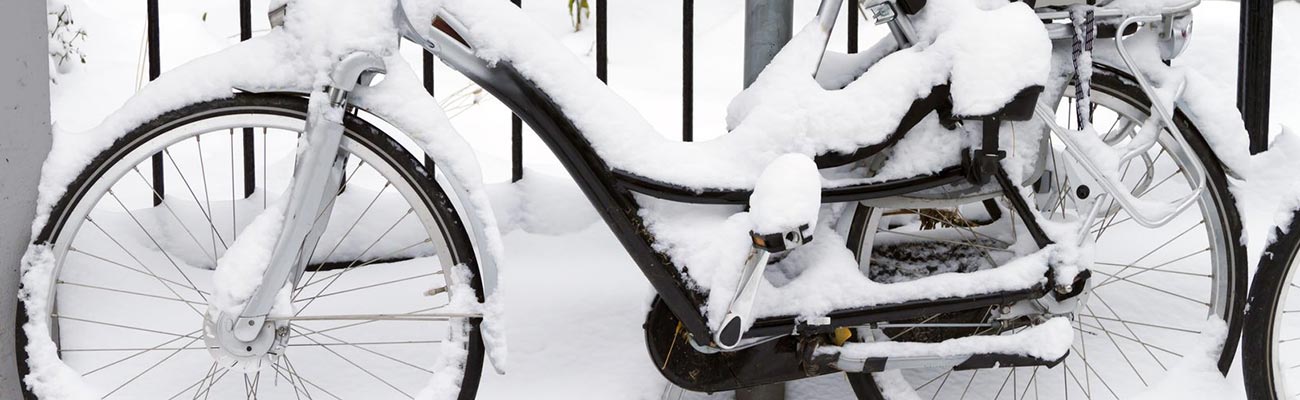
317,177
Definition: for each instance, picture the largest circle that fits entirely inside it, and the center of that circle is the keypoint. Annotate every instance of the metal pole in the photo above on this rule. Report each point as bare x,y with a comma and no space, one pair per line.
517,139
155,68
768,26
688,70
250,166
24,142
1254,64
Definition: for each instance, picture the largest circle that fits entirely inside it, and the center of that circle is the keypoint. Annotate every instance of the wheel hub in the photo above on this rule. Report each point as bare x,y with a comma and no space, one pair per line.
239,355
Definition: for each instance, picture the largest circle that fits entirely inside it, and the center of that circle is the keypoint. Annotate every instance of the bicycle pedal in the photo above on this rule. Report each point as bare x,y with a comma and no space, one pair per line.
784,210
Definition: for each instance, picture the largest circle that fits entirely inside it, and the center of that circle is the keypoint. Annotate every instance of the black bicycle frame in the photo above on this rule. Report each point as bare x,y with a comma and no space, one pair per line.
611,193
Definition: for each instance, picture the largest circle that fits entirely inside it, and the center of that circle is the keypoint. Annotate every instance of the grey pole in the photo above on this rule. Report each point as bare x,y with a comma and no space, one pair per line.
768,27
24,142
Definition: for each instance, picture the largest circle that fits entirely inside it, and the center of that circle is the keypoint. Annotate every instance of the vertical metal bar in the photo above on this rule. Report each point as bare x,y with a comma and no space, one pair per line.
427,67
517,139
250,166
688,70
853,26
1254,60
768,26
602,42
155,68
517,150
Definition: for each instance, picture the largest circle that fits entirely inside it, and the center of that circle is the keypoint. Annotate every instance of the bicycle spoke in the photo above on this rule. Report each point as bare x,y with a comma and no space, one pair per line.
61,282
1128,328
89,321
299,329
142,351
146,267
211,255
329,206
115,263
207,212
157,244
1158,248
1088,366
399,280
151,368
1185,330
372,321
363,253
363,370
1157,268
371,261
211,371
1153,288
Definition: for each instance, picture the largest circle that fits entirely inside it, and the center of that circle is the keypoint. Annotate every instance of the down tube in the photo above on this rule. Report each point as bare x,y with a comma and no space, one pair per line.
614,204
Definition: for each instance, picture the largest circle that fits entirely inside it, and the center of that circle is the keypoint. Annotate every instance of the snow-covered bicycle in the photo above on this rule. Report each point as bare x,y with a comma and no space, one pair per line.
989,222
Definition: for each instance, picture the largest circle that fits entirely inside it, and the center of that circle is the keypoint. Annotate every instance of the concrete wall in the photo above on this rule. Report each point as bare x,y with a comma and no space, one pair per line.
24,142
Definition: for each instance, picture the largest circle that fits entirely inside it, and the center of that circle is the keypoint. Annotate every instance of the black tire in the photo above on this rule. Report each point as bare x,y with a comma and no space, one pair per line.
1267,292
356,129
1122,85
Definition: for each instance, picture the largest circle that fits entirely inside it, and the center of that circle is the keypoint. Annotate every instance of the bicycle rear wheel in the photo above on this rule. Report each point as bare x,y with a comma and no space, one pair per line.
118,309
1153,289
1270,349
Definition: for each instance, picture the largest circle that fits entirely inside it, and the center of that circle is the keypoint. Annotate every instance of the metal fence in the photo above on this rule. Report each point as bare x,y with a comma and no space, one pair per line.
1252,92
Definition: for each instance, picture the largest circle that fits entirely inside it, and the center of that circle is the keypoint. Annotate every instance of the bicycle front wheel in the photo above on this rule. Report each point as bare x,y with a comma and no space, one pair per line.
134,242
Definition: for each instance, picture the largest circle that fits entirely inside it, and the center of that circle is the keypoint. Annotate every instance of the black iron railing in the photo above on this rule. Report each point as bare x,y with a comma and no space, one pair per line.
1252,92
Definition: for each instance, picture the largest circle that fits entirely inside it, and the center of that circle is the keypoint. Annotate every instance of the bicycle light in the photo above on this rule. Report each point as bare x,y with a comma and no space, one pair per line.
1175,33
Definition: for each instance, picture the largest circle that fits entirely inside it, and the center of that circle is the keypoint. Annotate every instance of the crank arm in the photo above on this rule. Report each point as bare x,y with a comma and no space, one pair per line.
742,304
316,179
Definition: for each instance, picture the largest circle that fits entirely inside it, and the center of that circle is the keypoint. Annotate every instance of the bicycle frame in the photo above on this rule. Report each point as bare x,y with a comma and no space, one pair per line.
611,191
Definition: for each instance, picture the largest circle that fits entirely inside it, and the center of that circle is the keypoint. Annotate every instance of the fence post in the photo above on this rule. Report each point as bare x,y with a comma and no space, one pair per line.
853,27
688,70
427,69
516,139
602,41
24,142
250,166
155,68
1254,66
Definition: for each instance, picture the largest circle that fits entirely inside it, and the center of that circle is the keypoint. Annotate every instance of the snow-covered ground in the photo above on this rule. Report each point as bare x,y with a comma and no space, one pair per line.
576,301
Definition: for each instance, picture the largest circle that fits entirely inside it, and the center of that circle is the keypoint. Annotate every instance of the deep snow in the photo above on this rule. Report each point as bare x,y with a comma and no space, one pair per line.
567,341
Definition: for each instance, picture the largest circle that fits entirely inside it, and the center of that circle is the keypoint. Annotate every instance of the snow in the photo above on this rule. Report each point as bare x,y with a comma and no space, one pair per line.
1047,341
552,283
787,196
786,110
295,58
239,271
